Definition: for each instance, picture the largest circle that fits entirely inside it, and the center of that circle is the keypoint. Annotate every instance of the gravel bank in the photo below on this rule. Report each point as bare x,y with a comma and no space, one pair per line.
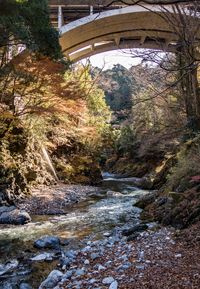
55,200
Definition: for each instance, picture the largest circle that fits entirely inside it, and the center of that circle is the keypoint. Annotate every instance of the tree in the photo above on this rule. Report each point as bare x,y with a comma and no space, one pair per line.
26,23
183,20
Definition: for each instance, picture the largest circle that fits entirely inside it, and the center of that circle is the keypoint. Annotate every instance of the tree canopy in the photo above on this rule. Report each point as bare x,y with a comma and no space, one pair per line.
27,23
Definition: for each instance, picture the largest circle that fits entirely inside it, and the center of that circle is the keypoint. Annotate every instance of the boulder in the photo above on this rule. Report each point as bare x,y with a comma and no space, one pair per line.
52,280
146,200
8,267
48,242
12,215
134,229
133,236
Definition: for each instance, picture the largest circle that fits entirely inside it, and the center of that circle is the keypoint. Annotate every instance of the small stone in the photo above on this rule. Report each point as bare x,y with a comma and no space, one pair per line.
108,263
65,261
140,267
86,249
92,281
108,280
178,256
114,285
79,272
100,267
86,262
71,254
94,256
106,234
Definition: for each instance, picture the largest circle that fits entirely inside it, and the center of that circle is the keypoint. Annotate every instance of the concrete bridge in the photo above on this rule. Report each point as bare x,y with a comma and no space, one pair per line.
94,26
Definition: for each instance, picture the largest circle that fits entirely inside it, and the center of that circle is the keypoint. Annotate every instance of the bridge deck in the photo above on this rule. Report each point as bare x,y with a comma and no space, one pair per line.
77,9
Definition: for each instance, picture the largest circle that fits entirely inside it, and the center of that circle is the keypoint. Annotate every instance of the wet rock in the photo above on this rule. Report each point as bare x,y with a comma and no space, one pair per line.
44,256
114,285
8,267
6,209
24,286
50,242
52,280
108,280
134,229
113,194
12,215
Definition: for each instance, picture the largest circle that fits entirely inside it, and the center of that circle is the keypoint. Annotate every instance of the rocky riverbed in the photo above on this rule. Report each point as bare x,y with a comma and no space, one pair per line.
97,242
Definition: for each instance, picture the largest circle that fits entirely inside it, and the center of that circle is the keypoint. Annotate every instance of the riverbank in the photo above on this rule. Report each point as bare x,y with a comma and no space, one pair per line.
156,259
55,199
97,241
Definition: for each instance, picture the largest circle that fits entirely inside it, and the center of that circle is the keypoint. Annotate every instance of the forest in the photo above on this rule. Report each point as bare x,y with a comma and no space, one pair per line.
99,168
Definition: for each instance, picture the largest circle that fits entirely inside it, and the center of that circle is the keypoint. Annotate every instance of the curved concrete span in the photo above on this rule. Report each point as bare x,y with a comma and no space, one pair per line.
128,27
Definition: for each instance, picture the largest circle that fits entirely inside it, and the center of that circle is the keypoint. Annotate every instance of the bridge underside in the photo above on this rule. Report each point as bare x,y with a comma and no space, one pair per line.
125,28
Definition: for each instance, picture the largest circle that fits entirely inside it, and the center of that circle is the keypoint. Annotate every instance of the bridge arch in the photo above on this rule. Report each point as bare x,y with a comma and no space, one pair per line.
128,27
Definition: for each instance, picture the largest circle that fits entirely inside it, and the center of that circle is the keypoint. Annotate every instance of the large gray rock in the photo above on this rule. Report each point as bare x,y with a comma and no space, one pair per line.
52,280
134,229
8,267
11,215
43,256
50,242
146,200
6,209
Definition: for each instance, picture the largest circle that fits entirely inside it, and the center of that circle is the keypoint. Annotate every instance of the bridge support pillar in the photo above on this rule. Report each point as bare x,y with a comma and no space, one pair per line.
60,17
91,10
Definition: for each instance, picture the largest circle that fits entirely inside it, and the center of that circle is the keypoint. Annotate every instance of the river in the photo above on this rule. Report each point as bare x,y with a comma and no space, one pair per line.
110,207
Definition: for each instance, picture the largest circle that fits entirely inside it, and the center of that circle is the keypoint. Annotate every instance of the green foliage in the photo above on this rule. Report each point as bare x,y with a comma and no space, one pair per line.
187,166
126,141
27,23
118,85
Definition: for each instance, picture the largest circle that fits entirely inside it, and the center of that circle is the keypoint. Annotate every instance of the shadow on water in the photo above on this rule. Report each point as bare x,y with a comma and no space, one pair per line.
101,212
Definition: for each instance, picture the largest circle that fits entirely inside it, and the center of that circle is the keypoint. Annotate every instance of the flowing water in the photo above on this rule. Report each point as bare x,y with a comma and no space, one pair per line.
112,206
